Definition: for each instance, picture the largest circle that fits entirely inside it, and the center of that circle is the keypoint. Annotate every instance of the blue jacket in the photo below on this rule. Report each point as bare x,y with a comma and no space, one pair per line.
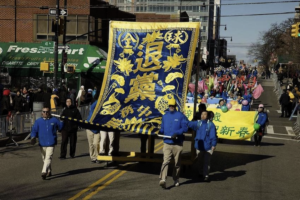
234,71
45,130
91,113
254,73
219,73
262,118
174,123
248,97
94,93
206,137
225,96
246,108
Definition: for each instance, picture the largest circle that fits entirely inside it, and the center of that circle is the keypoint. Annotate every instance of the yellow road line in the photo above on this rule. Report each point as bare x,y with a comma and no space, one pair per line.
159,143
104,185
94,184
158,146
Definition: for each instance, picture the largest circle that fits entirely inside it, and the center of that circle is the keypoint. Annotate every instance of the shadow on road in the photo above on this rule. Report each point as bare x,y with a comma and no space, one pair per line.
221,176
74,172
248,143
220,162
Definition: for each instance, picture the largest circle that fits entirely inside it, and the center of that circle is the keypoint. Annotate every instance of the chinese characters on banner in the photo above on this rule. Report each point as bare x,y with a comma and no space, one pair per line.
148,64
232,125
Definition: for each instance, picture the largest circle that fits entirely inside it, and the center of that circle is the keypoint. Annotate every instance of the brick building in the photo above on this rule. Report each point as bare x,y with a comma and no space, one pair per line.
23,22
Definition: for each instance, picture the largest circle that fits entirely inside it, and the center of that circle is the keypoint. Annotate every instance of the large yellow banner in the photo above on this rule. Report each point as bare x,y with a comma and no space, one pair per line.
232,125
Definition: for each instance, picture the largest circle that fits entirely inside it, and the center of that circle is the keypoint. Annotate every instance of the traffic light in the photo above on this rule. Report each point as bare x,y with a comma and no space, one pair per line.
295,32
70,69
61,26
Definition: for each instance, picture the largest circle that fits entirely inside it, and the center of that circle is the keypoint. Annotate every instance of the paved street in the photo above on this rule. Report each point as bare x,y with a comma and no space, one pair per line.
238,170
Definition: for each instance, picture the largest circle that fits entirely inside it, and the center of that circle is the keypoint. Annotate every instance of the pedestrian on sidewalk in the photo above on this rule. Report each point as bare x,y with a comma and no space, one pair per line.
284,102
173,124
292,101
45,129
18,103
261,120
69,130
205,141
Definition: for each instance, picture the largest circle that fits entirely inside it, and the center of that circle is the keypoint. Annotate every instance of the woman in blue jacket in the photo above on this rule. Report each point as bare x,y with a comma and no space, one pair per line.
205,141
261,120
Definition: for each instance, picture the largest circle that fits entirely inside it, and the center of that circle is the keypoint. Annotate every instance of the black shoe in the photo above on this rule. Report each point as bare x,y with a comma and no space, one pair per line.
44,175
72,156
49,174
62,157
102,154
95,161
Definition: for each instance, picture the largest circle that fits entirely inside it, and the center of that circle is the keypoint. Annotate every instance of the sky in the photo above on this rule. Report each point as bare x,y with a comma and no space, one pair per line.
246,30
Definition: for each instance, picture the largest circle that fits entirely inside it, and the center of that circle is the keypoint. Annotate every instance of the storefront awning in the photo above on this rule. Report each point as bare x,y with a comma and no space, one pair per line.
23,59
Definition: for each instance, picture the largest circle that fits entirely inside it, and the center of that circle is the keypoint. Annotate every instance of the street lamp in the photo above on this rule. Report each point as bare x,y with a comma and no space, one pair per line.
228,37
225,29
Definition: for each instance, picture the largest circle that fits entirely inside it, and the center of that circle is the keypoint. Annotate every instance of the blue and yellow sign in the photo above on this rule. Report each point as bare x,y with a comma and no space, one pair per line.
148,64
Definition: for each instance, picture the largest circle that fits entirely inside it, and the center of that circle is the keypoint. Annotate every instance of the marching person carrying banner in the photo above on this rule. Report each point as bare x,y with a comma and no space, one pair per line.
205,141
261,120
45,128
173,125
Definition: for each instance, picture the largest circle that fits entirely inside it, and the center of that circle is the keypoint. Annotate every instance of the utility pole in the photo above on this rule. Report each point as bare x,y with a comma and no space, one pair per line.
56,44
64,43
180,11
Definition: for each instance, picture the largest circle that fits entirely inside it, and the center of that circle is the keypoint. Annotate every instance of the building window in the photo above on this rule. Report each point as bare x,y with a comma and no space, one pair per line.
203,8
203,38
77,25
203,28
203,18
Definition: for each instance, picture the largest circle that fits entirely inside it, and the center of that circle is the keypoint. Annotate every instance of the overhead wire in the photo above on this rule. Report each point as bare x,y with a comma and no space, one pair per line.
164,4
149,18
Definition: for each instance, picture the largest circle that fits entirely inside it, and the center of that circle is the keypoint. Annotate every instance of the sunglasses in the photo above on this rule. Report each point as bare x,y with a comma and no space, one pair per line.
260,107
46,111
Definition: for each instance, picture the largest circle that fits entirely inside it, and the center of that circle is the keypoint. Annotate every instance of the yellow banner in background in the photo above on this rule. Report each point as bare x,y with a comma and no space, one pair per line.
232,125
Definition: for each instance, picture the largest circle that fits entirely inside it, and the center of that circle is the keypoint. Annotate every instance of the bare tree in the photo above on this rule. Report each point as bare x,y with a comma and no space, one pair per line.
276,41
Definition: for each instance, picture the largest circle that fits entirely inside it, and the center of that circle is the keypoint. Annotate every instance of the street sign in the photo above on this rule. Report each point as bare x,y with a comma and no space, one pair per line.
64,47
62,12
48,43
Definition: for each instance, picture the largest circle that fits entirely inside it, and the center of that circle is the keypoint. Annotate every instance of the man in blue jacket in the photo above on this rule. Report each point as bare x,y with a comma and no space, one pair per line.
173,125
45,128
205,141
261,120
